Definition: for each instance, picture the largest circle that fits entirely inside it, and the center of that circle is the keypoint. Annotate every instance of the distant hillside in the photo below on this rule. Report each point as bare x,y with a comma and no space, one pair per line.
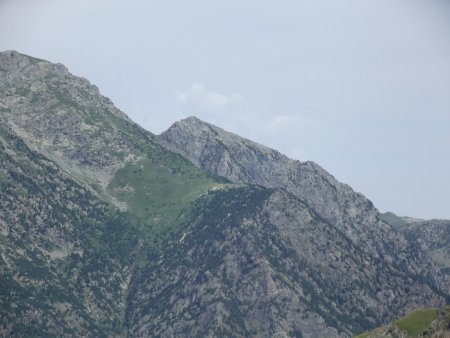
398,222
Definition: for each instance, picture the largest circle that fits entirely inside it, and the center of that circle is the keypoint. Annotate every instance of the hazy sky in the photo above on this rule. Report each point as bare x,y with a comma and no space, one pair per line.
361,87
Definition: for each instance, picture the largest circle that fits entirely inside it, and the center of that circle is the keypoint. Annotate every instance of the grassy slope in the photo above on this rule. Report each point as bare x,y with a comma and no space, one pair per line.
417,321
157,191
397,222
414,323
158,186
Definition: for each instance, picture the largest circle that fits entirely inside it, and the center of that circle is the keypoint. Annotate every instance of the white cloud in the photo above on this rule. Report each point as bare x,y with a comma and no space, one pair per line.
200,99
295,134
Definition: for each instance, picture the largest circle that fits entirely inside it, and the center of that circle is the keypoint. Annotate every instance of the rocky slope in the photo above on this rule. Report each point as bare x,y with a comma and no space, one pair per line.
135,240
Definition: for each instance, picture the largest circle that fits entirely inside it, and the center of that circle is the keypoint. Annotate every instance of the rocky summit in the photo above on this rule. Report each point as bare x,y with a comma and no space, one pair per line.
107,230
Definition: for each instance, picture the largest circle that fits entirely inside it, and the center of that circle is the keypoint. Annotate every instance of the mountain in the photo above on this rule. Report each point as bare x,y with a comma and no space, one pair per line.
431,323
109,230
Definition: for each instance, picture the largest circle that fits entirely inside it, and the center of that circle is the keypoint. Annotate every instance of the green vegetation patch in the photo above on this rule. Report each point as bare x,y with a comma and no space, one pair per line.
156,193
417,321
393,220
370,333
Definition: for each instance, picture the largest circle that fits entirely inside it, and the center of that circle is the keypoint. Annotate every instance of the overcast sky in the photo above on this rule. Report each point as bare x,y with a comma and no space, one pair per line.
361,87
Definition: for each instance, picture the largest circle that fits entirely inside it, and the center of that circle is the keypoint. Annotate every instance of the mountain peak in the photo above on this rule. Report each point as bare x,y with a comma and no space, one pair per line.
191,122
193,128
10,53
14,54
13,62
192,119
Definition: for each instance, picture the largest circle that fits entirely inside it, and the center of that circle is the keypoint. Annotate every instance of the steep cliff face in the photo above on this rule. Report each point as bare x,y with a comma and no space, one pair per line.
135,240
